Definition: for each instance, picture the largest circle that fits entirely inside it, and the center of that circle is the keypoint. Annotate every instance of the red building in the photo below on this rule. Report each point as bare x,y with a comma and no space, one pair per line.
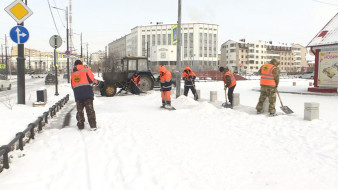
325,48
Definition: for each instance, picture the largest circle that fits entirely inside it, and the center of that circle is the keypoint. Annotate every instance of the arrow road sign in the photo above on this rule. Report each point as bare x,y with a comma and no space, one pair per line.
19,34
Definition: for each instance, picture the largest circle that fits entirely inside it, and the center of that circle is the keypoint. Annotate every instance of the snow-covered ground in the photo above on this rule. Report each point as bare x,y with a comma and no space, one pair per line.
198,146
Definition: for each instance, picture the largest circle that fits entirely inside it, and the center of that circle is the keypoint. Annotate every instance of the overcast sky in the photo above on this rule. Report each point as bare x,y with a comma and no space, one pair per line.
103,21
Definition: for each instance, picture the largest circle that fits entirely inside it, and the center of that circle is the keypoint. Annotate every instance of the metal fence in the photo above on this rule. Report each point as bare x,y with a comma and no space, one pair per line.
25,136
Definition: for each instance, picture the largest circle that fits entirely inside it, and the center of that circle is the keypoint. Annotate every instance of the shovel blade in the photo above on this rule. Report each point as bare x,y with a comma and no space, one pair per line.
286,109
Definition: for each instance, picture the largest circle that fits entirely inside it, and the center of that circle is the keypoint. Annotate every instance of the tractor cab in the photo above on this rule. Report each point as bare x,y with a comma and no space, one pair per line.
122,76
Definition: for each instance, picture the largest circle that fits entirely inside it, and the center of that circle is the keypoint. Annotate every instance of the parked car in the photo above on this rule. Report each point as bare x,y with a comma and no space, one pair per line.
307,75
50,79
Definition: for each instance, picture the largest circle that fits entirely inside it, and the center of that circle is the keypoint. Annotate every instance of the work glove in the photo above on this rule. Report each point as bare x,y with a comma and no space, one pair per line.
225,87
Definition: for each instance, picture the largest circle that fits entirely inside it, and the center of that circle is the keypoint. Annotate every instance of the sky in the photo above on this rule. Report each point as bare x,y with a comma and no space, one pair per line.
101,22
199,146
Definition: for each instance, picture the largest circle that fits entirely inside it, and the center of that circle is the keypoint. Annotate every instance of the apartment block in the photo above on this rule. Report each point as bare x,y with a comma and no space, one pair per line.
244,57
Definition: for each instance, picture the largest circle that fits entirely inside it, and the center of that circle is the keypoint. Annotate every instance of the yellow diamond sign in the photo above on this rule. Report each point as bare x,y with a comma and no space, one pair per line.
18,11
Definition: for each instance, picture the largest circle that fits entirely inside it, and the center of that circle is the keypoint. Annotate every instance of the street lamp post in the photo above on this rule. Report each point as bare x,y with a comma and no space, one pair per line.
67,30
88,57
6,57
81,44
178,63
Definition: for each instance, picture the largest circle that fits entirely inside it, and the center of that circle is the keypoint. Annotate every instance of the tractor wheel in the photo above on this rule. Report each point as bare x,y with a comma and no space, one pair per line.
146,83
109,90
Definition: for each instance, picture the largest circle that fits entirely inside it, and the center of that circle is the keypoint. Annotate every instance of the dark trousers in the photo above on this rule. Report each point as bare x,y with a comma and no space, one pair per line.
231,94
88,104
193,90
136,89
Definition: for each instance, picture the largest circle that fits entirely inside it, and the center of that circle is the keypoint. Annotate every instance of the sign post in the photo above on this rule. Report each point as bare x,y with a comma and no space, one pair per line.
55,41
19,11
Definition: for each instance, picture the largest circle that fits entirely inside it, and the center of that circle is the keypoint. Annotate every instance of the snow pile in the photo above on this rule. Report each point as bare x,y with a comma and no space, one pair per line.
199,146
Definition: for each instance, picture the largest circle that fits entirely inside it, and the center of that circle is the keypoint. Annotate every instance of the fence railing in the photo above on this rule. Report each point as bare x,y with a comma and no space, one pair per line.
21,138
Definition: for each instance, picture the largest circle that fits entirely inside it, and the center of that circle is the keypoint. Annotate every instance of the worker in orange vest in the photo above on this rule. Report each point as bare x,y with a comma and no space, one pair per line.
269,83
189,82
137,82
165,84
229,83
82,77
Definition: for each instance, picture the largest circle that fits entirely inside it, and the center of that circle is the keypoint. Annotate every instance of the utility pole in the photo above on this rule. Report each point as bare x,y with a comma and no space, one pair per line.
81,44
68,80
56,70
2,54
29,62
6,57
88,57
67,32
178,62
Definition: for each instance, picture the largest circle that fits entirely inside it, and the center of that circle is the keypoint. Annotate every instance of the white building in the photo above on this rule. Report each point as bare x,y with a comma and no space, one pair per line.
249,57
199,45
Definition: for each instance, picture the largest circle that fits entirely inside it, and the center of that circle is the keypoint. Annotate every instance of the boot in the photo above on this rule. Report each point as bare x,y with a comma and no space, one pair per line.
168,104
163,104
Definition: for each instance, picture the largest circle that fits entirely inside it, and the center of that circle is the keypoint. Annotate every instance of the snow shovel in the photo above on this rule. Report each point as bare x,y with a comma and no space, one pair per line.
193,85
226,104
285,109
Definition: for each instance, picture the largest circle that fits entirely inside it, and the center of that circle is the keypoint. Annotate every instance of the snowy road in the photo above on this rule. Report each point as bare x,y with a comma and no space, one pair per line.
197,147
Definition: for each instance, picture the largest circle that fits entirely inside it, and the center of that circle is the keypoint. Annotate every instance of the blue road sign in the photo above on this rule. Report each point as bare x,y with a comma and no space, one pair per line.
174,29
19,34
67,52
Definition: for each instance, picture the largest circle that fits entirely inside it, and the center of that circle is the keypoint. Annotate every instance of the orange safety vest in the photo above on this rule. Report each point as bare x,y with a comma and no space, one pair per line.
165,78
136,79
267,78
232,79
82,76
81,79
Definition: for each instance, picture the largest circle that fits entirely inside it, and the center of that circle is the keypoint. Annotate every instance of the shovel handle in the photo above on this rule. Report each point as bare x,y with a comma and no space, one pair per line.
279,98
226,99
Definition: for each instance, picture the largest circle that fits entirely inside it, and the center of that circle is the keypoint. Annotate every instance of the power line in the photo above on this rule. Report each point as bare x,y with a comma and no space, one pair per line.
50,9
59,15
326,3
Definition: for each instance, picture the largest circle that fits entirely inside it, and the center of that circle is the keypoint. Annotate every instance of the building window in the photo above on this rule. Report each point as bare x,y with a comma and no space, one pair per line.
143,45
185,40
169,39
158,39
164,39
153,40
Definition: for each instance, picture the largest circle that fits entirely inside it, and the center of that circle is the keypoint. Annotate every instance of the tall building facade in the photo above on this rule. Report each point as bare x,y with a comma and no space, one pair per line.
240,56
199,45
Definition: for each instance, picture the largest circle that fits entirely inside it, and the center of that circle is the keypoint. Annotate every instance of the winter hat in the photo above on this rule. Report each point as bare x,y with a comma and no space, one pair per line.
221,69
274,62
78,62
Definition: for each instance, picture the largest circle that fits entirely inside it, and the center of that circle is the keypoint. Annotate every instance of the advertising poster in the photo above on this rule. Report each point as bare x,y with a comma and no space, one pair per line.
328,69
